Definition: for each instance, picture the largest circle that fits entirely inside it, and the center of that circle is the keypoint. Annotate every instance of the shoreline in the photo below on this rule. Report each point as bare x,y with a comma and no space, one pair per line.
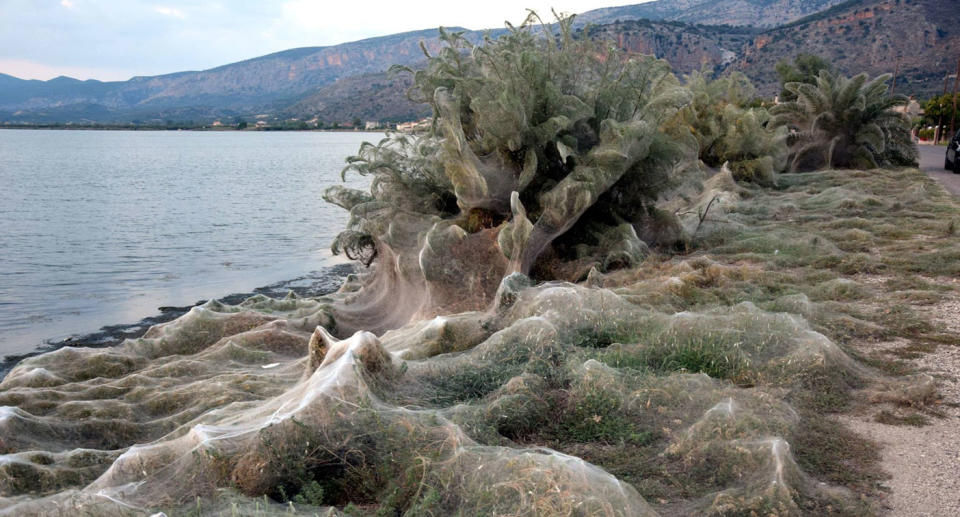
315,283
224,129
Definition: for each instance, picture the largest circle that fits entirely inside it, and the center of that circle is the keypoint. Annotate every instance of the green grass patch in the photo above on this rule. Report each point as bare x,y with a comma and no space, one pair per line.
717,358
891,418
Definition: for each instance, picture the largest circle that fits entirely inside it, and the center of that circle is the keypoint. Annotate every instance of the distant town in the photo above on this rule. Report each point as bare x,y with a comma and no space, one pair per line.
260,123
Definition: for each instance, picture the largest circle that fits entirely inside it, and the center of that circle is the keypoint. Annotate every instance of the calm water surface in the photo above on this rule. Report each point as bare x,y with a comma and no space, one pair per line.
103,227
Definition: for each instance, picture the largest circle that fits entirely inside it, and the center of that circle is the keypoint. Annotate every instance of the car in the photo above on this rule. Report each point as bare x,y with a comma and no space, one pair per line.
952,162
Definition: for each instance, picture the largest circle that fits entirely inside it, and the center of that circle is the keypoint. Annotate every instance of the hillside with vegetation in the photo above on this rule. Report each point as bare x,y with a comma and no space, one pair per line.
379,97
343,82
265,84
913,38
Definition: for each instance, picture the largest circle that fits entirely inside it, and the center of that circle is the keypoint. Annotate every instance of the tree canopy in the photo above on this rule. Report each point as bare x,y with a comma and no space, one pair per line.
804,69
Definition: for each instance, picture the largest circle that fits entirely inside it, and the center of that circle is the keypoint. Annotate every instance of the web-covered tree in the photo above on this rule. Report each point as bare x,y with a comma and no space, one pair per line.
728,131
845,122
804,69
546,156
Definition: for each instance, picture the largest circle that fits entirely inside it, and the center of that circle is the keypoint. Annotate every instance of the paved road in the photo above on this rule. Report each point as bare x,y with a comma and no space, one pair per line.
931,162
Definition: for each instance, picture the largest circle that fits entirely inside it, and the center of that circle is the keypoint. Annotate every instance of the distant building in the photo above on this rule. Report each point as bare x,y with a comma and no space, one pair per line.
415,126
216,123
912,109
372,124
261,123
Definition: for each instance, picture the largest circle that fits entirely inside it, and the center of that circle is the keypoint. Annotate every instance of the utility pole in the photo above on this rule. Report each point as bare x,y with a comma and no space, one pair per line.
896,70
953,116
938,132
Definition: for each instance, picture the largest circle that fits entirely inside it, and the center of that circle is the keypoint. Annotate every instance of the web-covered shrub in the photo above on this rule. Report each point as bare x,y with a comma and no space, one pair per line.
546,157
728,131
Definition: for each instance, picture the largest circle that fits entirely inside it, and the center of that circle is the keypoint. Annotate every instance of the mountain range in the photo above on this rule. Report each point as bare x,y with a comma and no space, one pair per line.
919,39
752,13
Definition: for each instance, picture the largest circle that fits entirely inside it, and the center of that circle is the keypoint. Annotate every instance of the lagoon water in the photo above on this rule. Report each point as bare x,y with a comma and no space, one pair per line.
104,227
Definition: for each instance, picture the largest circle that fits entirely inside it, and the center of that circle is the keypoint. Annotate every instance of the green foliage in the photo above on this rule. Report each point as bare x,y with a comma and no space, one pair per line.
826,449
845,122
310,494
890,418
715,356
939,110
553,135
804,69
729,132
467,383
299,464
595,415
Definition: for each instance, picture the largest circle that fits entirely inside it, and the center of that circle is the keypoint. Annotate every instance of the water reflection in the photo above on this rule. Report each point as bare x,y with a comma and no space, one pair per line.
102,227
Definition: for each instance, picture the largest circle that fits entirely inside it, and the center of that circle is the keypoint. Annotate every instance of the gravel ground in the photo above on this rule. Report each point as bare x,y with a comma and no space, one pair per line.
924,463
931,162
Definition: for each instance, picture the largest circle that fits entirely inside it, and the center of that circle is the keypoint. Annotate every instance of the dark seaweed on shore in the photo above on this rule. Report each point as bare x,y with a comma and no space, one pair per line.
315,283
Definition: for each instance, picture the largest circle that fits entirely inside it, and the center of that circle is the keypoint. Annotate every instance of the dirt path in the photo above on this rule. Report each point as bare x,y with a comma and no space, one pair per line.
931,162
924,462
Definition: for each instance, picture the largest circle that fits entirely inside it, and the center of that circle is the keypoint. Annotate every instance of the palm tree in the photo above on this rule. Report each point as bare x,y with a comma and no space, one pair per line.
845,122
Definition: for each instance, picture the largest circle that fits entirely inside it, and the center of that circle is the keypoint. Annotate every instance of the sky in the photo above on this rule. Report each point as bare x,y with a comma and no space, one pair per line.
118,39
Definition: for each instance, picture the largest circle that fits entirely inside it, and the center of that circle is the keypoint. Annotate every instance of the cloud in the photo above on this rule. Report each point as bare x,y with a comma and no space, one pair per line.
67,3
167,11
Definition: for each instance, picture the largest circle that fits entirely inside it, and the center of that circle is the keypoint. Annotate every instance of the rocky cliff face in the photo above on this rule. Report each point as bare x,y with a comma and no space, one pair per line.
871,36
686,47
753,13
